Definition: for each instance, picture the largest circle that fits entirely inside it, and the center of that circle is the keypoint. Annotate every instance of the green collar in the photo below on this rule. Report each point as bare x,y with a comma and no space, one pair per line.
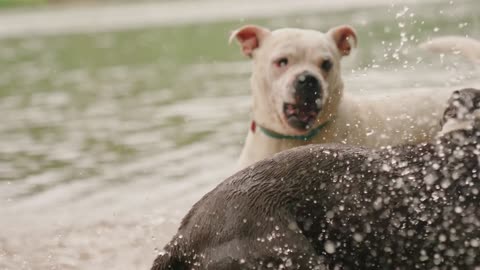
272,134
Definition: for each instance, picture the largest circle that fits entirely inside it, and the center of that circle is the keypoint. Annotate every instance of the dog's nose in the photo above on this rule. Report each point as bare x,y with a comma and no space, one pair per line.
307,88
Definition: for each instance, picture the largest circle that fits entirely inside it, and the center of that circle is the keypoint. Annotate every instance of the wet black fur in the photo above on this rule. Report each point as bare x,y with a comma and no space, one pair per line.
342,207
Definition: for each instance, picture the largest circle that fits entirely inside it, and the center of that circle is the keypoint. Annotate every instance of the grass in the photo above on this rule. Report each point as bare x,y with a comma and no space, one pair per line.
21,3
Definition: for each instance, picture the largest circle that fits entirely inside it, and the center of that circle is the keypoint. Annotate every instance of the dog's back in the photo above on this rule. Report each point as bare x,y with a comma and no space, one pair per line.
466,47
166,261
411,206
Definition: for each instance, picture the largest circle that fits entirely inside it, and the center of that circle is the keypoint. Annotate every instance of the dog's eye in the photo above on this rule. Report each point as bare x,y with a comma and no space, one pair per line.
326,65
282,62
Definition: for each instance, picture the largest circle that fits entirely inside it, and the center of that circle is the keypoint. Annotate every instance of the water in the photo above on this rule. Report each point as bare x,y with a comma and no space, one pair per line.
106,139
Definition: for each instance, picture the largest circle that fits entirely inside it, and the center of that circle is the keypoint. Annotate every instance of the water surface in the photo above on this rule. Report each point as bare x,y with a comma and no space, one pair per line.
106,139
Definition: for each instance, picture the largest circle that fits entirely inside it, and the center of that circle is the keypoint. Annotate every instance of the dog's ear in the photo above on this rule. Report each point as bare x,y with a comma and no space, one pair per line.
344,37
250,37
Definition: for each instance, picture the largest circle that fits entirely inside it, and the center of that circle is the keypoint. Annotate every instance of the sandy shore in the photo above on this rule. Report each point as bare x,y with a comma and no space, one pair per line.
94,18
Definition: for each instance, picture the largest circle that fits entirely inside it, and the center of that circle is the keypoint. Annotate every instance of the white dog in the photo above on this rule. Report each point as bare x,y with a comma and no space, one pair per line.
298,96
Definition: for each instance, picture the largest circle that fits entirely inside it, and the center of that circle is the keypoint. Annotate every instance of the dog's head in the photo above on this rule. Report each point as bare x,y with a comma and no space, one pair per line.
462,112
296,79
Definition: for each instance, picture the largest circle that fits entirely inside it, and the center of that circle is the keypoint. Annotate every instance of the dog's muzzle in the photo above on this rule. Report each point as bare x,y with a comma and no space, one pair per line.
308,101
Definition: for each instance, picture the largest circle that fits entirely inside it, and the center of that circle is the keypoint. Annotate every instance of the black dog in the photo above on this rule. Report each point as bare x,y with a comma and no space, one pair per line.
343,207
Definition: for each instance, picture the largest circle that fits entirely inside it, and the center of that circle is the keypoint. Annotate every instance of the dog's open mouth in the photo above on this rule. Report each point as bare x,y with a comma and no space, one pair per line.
301,117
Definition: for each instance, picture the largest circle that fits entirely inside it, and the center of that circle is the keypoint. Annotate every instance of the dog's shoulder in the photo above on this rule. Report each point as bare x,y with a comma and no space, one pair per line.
322,150
406,150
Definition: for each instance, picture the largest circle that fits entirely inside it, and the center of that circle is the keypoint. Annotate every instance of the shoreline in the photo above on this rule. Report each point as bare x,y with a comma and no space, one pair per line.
113,17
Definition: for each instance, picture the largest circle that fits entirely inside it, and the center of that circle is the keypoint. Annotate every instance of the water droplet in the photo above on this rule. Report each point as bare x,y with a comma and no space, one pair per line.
329,247
445,183
430,179
475,242
358,237
386,167
401,13
378,203
442,237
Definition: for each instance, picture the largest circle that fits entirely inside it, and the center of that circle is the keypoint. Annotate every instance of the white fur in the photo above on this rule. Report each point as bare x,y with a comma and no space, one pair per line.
372,121
467,47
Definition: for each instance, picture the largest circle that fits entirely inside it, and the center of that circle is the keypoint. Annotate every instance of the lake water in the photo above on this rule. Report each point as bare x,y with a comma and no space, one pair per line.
106,139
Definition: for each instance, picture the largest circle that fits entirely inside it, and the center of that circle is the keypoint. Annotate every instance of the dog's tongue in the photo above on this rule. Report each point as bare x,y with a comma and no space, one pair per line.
301,116
307,110
301,111
291,109
306,115
305,118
